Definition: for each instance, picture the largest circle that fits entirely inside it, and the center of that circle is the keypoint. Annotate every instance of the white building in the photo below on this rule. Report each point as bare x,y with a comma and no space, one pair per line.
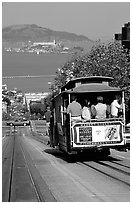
45,43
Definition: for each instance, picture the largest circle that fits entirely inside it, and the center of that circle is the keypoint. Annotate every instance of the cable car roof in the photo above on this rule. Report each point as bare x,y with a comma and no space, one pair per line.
95,87
92,78
86,80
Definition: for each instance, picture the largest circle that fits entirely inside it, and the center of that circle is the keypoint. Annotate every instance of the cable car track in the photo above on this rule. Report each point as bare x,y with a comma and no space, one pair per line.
9,175
6,141
4,147
114,168
31,177
85,187
7,166
120,164
11,171
109,164
42,192
116,174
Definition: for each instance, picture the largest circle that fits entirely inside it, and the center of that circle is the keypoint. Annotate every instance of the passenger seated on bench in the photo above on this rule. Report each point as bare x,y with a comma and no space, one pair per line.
75,109
100,108
86,111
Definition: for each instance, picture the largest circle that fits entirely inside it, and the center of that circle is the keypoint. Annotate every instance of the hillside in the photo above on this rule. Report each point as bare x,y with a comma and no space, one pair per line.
17,34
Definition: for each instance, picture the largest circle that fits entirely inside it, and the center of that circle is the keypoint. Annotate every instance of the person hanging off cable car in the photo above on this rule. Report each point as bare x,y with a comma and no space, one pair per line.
116,107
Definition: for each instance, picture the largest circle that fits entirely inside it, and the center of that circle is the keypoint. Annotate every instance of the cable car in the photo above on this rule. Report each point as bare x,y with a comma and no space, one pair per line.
93,134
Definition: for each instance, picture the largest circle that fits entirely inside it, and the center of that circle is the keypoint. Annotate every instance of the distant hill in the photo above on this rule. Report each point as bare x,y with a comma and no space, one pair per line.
17,34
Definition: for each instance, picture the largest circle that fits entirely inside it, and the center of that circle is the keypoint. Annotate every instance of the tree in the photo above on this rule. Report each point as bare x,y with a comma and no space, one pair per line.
37,108
5,116
7,100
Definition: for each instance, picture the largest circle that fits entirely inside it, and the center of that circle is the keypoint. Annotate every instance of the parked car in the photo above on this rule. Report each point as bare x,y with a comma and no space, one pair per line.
18,122
27,122
9,123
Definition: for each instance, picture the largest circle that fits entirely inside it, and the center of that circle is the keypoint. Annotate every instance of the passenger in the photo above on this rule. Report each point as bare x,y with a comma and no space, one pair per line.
75,109
93,111
86,112
108,113
116,107
101,108
47,117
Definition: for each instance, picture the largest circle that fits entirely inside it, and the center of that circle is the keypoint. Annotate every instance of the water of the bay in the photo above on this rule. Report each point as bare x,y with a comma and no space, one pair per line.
23,64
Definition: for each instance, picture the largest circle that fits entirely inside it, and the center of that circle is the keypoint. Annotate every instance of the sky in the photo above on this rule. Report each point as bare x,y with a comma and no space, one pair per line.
95,20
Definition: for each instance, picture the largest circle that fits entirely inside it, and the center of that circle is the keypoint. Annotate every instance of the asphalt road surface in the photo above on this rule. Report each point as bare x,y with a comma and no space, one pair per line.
32,171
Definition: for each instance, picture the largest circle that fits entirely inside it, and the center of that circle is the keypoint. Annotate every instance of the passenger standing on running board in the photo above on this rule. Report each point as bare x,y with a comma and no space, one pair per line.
116,107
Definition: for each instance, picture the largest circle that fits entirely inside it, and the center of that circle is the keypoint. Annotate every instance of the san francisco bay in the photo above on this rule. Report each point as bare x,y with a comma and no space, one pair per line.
30,64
